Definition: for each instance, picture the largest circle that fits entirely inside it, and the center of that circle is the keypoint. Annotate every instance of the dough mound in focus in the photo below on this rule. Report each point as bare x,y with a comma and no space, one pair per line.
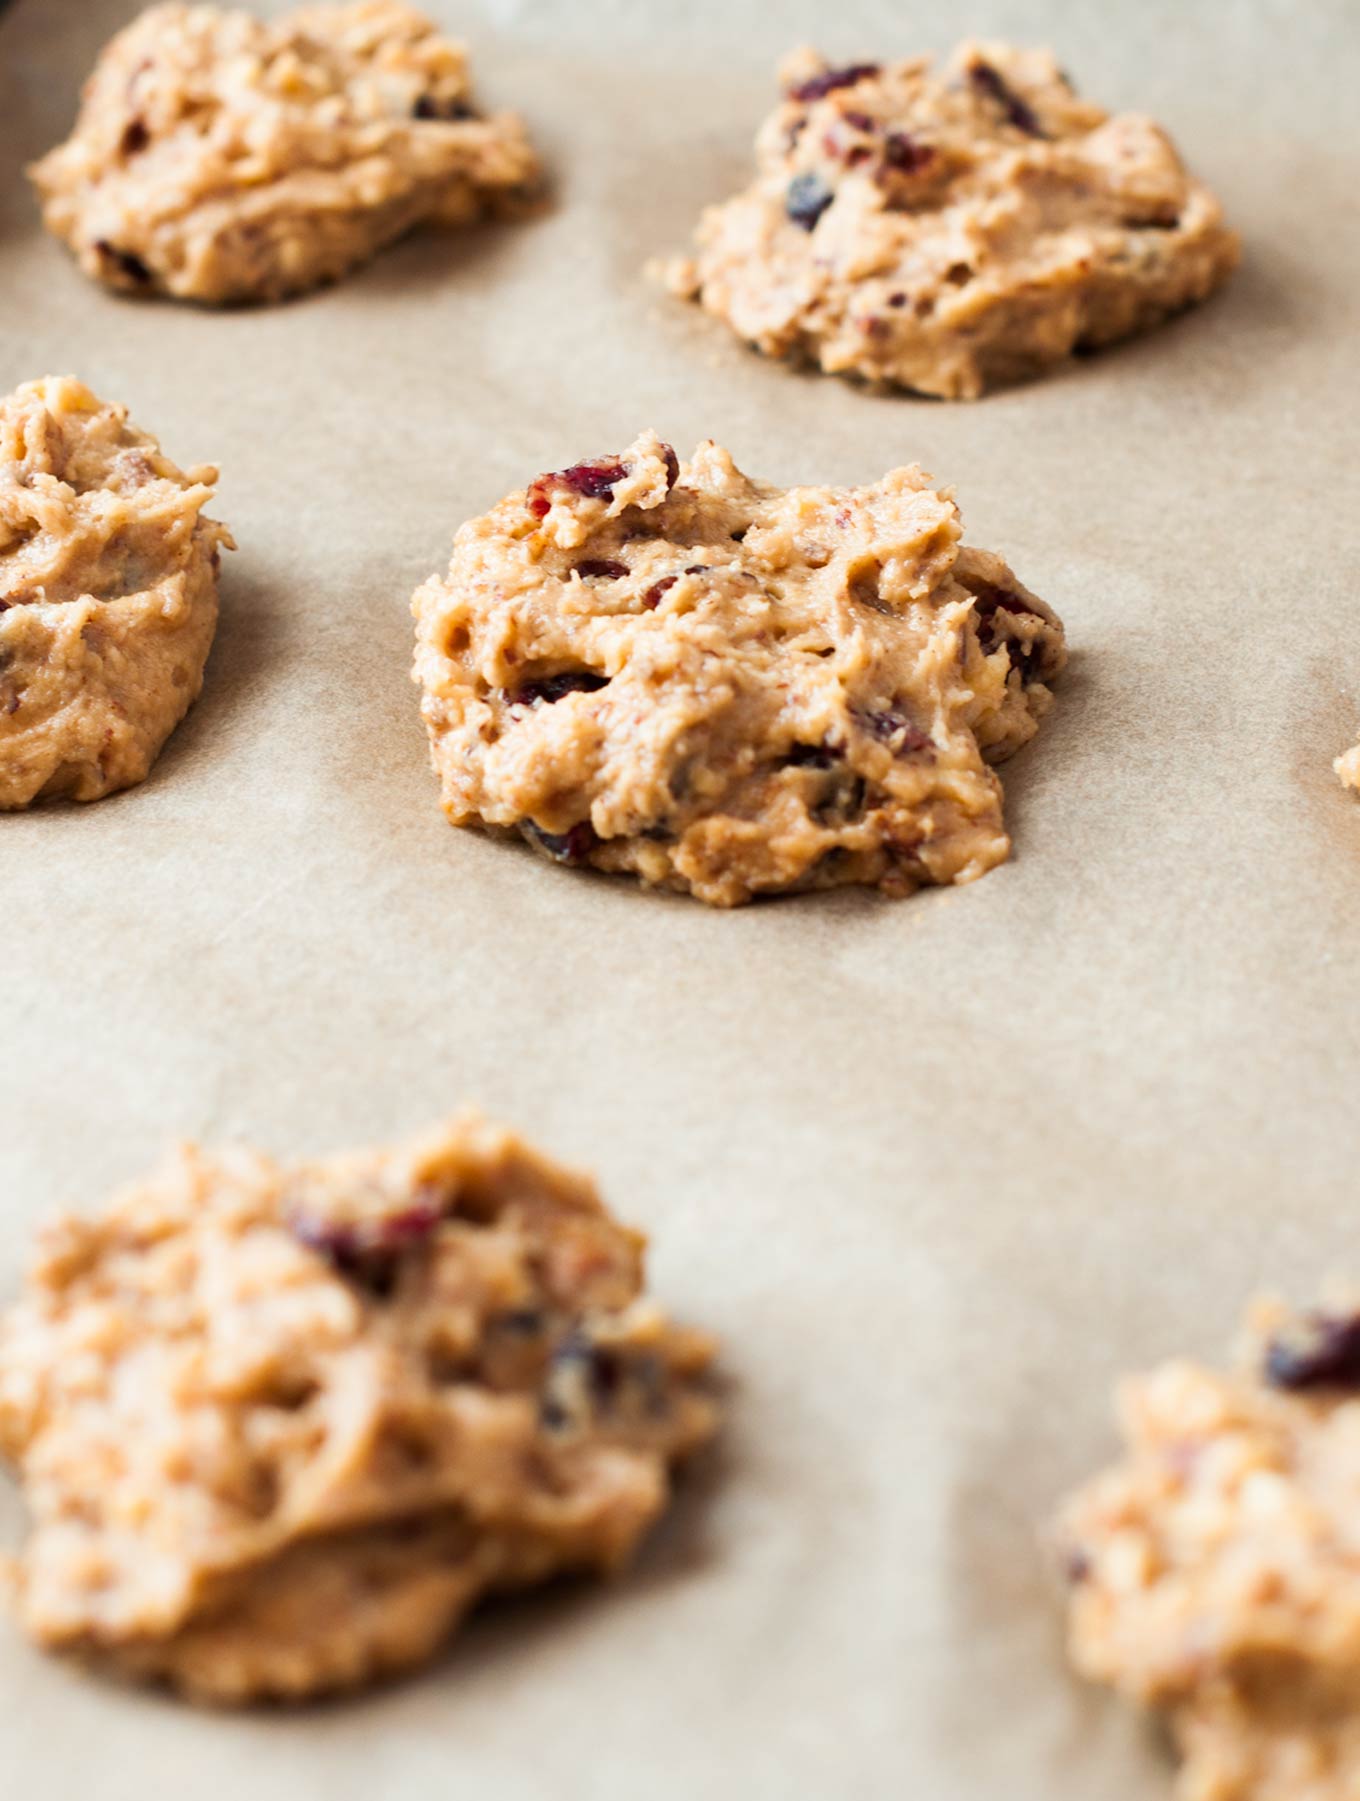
950,231
108,594
1216,1571
730,688
222,158
279,1428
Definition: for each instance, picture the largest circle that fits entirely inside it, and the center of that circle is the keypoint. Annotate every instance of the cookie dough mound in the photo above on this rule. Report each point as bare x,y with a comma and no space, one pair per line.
1215,1571
946,231
221,158
729,688
1348,767
108,594
280,1427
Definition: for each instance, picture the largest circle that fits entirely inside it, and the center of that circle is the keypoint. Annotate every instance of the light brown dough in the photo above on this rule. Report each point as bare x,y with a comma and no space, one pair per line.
728,688
280,1427
219,157
108,594
1348,767
946,231
1216,1571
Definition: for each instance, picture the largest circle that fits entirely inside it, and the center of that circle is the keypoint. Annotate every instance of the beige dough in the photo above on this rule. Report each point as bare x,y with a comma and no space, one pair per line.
1348,767
221,158
1216,1571
108,594
946,231
279,1427
728,688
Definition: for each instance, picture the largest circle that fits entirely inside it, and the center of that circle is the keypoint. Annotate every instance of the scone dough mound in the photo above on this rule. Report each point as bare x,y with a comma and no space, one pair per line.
279,1427
946,231
108,594
1348,767
729,688
1216,1571
219,157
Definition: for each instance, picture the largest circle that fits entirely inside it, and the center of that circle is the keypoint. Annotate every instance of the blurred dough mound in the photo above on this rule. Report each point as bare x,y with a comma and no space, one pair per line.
108,594
1216,1571
1348,767
280,1427
946,231
730,688
219,157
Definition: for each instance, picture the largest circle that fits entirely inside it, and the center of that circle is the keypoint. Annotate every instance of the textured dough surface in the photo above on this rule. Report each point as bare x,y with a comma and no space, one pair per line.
220,158
280,1427
946,231
729,688
108,594
1216,1570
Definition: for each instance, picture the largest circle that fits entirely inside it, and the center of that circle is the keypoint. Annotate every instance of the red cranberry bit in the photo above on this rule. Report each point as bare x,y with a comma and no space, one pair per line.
1018,112
123,261
654,595
604,567
431,106
698,568
896,300
554,687
860,121
807,199
672,466
135,138
901,151
571,847
370,1251
1324,1354
595,481
893,729
831,79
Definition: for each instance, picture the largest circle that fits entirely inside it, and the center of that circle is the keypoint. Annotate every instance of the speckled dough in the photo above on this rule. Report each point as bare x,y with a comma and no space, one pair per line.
948,231
728,688
108,594
1216,1570
221,158
279,1428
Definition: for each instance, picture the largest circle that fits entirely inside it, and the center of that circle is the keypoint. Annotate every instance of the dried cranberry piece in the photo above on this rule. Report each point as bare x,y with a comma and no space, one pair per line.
896,300
892,728
370,1251
901,151
1324,1354
860,121
807,199
135,138
555,687
654,594
1019,113
831,79
595,480
672,466
431,106
604,567
573,846
698,568
123,261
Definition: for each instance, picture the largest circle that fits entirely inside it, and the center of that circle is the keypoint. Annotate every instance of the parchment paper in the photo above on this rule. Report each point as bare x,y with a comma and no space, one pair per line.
935,1170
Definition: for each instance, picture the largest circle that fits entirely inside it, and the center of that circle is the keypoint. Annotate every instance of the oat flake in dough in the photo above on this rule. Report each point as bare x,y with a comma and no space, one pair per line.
1216,1570
949,230
280,1427
728,688
219,157
108,594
